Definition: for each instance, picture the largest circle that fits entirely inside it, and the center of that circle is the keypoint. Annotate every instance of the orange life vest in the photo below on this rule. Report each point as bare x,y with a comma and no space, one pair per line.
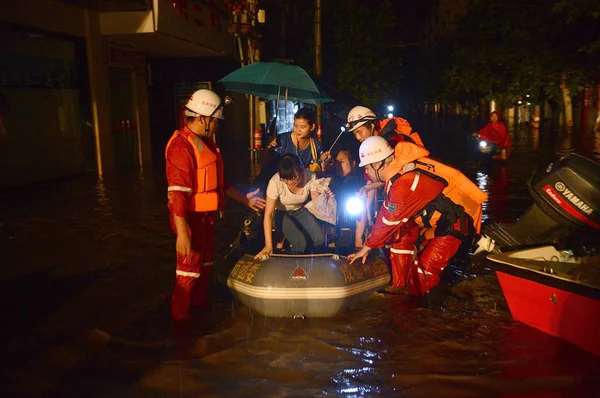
459,189
396,126
207,192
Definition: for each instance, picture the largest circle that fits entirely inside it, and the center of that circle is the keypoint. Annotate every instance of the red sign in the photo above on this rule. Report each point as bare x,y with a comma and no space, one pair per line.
126,58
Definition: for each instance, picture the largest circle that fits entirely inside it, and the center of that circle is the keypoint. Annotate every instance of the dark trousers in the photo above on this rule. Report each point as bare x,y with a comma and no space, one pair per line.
301,229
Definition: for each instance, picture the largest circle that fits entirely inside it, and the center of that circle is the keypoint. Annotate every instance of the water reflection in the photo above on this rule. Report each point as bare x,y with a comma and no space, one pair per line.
535,139
482,183
101,194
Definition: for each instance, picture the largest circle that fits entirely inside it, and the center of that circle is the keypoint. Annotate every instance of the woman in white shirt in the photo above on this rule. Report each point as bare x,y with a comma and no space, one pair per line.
287,192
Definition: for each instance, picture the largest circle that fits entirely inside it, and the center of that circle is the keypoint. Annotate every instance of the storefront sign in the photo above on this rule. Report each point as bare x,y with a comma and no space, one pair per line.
125,57
201,22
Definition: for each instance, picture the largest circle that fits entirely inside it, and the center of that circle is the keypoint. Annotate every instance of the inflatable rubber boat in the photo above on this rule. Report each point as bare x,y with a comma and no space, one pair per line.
318,285
299,285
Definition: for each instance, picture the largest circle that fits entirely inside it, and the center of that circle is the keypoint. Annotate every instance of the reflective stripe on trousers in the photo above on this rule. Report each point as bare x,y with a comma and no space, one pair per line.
192,276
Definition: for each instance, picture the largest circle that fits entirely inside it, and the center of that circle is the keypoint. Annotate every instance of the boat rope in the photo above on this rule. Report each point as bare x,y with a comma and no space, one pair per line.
335,256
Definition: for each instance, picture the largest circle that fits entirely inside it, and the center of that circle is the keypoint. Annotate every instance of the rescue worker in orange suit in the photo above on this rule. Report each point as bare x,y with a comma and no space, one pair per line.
430,211
196,192
364,123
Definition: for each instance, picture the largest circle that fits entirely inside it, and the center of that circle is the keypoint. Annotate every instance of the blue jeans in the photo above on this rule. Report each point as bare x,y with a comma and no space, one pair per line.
302,230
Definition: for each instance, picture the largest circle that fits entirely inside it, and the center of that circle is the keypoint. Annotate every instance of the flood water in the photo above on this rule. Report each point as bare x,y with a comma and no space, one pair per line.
88,267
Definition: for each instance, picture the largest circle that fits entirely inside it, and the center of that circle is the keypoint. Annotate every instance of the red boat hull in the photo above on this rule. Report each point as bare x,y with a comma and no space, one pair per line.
558,312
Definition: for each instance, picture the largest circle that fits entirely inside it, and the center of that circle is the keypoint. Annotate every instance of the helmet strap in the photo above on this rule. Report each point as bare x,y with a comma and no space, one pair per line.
206,124
377,176
377,170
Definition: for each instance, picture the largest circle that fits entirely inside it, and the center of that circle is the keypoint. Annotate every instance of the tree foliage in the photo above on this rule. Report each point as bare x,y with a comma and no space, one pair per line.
505,50
584,17
362,48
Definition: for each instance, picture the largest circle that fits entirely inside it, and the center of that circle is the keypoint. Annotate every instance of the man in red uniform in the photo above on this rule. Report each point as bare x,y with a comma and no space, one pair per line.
196,191
364,123
418,211
495,132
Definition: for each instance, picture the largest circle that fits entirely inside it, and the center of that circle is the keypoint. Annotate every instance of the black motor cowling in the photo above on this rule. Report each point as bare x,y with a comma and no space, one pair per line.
566,198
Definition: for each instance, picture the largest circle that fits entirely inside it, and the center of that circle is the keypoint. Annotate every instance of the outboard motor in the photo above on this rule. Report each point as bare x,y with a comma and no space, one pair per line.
566,200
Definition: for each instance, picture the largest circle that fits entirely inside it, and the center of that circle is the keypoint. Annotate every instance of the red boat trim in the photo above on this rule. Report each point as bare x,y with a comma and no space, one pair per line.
570,209
547,279
560,313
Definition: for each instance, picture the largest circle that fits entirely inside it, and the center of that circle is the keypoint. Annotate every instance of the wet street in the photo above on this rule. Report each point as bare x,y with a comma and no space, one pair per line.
87,273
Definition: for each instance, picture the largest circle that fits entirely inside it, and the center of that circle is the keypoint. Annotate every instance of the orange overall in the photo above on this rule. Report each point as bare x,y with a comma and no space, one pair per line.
194,170
430,202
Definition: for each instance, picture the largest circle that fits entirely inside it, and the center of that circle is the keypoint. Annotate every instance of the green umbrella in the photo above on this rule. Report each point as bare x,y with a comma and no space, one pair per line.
274,80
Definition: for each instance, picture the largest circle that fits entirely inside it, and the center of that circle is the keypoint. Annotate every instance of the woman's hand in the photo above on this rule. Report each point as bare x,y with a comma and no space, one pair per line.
365,189
272,144
266,251
326,158
358,242
475,135
183,244
362,253
254,201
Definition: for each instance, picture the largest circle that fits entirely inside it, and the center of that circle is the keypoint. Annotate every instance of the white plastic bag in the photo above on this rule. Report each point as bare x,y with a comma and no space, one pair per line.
323,207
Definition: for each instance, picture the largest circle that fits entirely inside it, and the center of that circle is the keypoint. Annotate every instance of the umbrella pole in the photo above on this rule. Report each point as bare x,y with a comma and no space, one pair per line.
286,99
276,111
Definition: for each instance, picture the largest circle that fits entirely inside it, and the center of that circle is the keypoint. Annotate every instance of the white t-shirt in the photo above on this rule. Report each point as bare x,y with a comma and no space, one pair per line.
287,200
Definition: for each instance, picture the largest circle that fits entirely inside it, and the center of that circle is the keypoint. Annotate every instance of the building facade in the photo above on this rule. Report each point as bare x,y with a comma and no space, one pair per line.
75,78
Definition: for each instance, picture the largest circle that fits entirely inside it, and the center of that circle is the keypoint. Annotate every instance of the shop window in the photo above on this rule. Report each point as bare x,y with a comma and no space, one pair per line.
42,126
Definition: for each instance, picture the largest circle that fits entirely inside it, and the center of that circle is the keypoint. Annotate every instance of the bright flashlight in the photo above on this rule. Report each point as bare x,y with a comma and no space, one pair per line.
482,144
391,108
354,206
342,128
390,115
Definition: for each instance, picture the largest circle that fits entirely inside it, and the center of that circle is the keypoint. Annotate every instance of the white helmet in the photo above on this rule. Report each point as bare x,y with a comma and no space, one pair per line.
203,103
374,149
358,116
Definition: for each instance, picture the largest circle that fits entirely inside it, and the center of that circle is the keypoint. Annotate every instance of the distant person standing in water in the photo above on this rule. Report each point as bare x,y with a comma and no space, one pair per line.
495,132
